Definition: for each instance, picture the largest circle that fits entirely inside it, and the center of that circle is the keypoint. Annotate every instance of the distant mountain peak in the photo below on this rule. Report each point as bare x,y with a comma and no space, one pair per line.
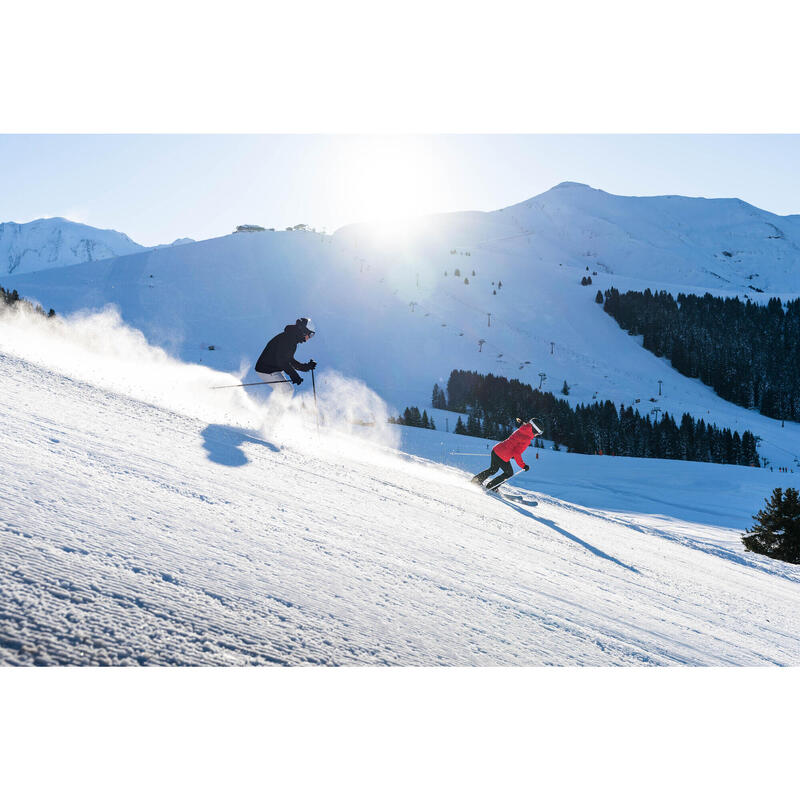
176,243
573,185
57,242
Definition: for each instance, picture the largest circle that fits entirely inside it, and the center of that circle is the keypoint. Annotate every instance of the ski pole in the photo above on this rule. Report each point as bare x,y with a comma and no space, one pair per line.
314,387
257,383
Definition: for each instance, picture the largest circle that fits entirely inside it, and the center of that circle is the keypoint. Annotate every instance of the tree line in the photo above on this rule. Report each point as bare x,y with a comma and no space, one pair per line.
492,401
411,416
12,298
747,352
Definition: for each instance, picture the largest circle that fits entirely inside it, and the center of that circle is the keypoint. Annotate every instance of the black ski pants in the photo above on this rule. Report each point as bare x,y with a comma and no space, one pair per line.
497,463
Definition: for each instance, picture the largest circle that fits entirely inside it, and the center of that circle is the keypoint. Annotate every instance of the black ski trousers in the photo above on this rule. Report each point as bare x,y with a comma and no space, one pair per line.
497,463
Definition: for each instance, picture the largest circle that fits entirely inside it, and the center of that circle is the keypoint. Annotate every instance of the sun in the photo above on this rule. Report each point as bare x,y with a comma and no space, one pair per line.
390,180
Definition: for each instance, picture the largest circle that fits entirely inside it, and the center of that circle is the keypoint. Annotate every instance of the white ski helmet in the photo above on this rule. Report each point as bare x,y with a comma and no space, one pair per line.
532,422
306,326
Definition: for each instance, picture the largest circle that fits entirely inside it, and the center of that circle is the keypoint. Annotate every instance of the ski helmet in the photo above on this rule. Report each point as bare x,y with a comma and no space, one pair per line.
532,422
306,326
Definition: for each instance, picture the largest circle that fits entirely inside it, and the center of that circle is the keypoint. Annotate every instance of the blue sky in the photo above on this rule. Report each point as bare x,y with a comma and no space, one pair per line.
157,188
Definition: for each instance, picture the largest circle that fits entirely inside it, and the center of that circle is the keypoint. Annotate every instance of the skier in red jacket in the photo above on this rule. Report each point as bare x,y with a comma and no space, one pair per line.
502,453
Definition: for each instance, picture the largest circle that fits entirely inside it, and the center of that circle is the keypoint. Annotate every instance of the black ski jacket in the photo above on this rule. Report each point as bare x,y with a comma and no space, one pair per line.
278,355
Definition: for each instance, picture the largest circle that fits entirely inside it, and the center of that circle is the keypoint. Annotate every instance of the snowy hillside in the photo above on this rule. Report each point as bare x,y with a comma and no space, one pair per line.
391,310
722,244
148,519
57,242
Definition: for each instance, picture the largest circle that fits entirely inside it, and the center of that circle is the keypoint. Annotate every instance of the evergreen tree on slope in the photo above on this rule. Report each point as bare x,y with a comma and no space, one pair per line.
777,530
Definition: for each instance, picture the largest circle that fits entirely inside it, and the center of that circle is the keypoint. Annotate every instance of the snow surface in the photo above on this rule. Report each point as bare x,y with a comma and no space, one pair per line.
146,518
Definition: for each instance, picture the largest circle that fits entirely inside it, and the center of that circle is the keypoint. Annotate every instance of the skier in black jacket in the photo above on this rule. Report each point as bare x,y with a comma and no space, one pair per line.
278,355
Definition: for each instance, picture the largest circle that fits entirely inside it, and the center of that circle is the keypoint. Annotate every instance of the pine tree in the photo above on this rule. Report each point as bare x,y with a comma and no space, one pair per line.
777,530
565,388
473,425
412,417
459,427
598,298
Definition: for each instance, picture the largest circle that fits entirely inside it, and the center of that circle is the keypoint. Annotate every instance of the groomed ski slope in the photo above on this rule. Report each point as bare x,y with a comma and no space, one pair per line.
147,519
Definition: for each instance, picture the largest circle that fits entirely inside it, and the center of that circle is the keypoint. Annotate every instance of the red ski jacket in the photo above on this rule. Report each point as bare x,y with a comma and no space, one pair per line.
516,444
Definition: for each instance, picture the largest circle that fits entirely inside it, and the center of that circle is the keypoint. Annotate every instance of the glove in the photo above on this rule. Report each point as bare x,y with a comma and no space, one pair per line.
526,468
312,364
297,380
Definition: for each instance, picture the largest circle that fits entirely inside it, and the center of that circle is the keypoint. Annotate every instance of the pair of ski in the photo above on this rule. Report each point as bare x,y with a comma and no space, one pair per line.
511,496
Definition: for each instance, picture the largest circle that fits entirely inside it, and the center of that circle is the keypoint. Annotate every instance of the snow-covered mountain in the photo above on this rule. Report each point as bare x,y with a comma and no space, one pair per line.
722,244
57,242
495,292
145,519
177,242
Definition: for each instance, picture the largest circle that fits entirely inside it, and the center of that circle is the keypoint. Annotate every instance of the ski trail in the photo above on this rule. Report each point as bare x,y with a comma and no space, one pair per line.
133,534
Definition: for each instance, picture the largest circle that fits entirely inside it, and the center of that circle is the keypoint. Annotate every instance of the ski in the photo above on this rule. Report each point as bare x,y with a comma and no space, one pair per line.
511,497
518,498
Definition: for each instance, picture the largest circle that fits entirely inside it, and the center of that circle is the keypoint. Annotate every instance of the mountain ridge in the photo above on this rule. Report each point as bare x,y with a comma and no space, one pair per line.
52,242
56,242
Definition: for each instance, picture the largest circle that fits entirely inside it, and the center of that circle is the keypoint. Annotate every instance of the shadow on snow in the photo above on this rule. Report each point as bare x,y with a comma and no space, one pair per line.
223,445
568,535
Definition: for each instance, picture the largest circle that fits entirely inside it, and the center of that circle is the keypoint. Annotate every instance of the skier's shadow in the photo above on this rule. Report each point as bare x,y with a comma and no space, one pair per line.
571,537
223,444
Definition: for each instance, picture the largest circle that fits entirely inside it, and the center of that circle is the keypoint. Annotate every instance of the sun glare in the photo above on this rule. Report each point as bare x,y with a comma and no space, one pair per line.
391,181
